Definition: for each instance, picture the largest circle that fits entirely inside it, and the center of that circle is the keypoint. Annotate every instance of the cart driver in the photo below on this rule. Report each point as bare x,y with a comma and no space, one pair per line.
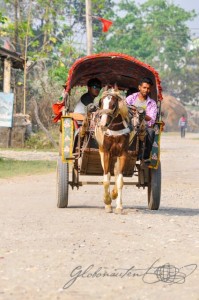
94,86
142,99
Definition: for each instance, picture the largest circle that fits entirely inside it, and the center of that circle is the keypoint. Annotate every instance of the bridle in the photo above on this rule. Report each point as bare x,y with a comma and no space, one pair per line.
112,113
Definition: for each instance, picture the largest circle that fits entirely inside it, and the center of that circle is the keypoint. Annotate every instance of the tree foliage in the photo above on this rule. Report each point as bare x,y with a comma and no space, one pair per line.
155,32
52,29
188,83
45,31
3,19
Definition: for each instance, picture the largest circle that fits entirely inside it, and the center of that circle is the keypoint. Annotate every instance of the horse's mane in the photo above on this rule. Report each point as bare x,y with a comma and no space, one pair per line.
123,109
112,92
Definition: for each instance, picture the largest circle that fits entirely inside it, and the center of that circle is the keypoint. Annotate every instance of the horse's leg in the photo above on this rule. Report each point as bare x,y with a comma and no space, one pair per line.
114,192
120,184
105,164
101,152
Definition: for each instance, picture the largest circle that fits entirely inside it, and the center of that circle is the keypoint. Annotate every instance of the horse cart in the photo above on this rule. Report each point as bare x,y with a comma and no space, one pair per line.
79,153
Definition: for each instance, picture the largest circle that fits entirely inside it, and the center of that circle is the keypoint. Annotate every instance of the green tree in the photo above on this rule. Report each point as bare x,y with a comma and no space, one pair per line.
44,31
126,33
189,88
155,32
52,27
166,25
3,19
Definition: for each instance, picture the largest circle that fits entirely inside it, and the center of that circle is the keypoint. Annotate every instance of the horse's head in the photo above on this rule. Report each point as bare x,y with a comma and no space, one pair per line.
109,106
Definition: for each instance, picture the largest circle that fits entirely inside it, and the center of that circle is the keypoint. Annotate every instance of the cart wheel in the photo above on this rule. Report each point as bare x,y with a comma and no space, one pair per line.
154,188
62,183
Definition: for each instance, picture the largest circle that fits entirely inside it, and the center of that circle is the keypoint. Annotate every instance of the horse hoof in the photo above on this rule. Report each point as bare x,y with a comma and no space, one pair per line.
108,209
107,200
114,195
118,211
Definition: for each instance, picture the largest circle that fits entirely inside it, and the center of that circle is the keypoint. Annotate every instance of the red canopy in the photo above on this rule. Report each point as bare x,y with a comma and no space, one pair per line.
112,68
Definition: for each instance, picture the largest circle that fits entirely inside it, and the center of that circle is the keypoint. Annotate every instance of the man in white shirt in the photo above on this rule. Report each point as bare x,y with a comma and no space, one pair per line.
94,86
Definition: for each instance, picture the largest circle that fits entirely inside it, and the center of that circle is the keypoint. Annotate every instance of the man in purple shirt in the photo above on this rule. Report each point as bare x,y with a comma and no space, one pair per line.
142,99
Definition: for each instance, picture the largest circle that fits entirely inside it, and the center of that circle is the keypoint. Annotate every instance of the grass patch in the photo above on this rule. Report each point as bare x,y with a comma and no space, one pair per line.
13,168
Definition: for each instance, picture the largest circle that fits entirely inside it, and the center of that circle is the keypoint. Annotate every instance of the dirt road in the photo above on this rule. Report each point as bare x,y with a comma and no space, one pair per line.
83,253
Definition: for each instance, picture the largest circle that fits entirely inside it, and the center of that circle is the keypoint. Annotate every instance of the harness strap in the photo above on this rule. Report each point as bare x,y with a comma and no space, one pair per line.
118,132
125,123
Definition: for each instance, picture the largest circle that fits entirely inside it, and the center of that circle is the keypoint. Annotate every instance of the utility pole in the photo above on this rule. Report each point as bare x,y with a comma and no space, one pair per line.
89,29
25,57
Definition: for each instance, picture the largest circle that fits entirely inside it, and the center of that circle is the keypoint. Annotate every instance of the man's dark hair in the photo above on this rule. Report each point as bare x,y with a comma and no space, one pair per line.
94,81
131,90
146,80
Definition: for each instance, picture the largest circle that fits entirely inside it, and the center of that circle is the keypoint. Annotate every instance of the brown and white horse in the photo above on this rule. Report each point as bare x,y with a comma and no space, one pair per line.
112,134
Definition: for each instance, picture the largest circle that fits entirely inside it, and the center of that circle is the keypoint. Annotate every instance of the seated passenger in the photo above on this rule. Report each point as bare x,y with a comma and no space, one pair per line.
94,86
142,99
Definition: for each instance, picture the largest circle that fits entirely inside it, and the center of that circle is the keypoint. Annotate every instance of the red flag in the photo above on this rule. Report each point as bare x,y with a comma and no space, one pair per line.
57,109
105,23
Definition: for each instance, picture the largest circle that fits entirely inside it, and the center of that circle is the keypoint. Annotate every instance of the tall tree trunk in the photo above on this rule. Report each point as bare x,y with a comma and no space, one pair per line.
16,40
19,47
46,18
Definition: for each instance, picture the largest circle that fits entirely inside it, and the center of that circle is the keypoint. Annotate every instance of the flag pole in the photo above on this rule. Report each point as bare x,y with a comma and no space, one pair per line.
89,29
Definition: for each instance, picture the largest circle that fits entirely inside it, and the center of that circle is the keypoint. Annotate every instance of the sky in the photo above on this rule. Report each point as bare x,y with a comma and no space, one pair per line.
188,5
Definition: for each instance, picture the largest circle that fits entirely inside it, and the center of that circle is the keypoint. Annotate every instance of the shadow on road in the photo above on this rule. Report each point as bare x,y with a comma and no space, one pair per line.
170,211
85,206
